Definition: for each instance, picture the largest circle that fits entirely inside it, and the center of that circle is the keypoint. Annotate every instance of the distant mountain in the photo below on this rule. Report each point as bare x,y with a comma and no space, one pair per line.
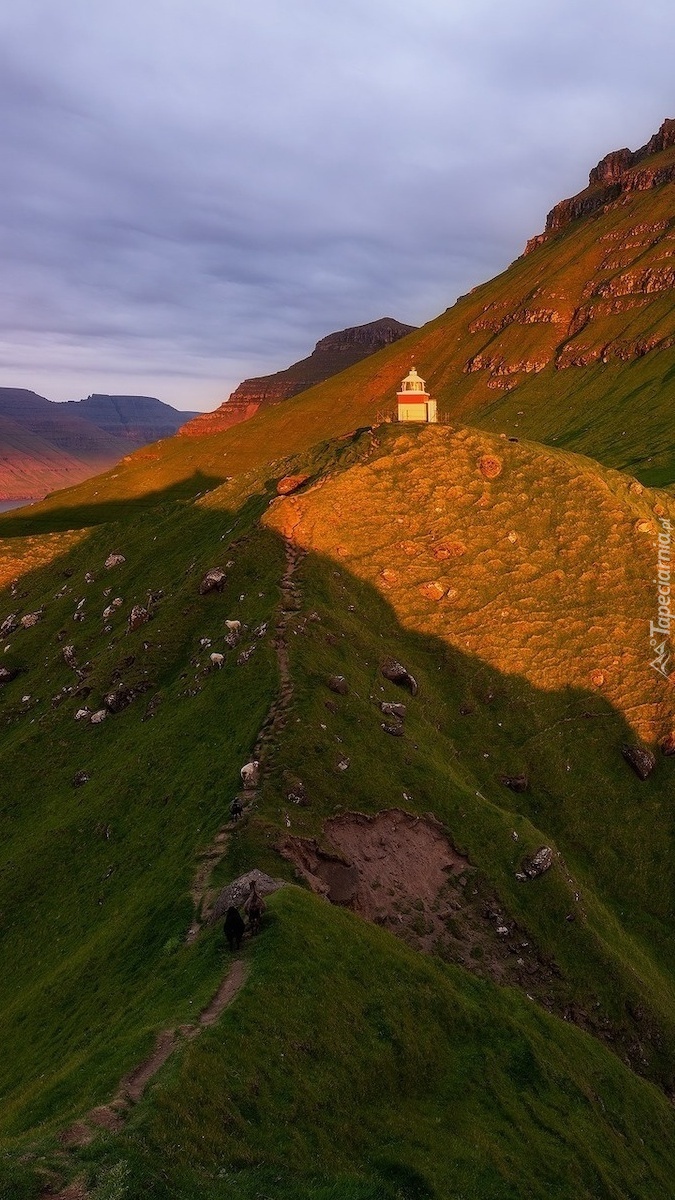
46,446
331,355
136,419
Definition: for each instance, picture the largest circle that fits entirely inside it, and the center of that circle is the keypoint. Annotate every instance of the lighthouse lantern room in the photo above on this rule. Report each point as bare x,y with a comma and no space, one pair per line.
414,402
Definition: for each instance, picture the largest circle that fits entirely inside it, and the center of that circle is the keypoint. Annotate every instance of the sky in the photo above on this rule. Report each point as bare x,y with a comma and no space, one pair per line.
195,191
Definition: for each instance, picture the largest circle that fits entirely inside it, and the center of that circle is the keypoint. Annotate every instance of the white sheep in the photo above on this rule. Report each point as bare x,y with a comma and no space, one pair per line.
217,660
234,626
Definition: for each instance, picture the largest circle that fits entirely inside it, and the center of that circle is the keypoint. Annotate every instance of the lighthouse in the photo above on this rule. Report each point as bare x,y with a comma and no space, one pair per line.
414,402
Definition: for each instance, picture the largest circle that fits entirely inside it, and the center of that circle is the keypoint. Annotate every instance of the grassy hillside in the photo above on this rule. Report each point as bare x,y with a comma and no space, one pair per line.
339,1020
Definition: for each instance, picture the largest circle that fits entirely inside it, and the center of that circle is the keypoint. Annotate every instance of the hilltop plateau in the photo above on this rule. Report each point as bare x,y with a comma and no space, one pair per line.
419,659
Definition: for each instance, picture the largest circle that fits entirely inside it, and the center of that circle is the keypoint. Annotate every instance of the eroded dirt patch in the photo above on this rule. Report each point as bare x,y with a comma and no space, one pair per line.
402,871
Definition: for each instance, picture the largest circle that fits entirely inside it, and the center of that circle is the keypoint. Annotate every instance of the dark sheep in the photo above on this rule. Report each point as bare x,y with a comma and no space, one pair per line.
234,928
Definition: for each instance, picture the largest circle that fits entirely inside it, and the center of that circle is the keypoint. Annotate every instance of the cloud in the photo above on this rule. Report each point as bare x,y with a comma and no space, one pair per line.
197,190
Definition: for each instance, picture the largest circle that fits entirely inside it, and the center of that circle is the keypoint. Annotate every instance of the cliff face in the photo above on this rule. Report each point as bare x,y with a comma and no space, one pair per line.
331,355
615,176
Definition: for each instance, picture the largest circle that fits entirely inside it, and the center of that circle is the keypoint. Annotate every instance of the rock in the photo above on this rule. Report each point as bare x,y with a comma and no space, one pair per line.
394,730
68,653
9,624
235,893
342,764
80,778
668,744
644,526
153,705
448,550
118,699
82,714
490,466
290,483
517,783
243,658
393,710
31,619
338,684
88,577
97,717
213,581
7,674
432,590
597,678
537,863
137,617
296,792
396,673
250,774
641,760
114,560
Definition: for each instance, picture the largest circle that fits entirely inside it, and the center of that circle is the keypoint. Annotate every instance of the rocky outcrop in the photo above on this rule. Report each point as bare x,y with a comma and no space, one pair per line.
616,175
331,355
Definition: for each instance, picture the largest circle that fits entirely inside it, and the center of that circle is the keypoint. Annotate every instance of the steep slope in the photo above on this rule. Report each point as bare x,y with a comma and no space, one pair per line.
136,419
330,356
514,584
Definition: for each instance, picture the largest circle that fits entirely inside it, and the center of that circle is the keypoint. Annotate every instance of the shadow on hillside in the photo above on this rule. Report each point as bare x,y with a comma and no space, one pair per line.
470,725
54,515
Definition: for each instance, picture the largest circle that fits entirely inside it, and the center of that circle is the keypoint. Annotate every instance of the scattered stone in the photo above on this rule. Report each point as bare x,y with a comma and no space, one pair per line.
97,717
260,630
290,483
9,624
250,775
296,793
536,864
396,673
641,760
394,730
204,642
88,577
338,684
668,744
432,590
153,705
517,783
114,560
213,581
393,710
68,653
342,764
243,658
118,699
80,778
490,466
235,893
31,619
137,617
82,714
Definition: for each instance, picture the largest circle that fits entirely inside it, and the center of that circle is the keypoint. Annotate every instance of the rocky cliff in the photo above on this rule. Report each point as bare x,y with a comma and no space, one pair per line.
331,355
617,175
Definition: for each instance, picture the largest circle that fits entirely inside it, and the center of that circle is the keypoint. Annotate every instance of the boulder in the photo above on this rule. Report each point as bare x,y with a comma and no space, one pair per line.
31,619
235,893
213,581
82,714
338,684
137,617
396,673
536,864
641,760
394,730
118,699
517,783
432,590
68,653
290,483
7,674
393,710
97,717
9,624
114,560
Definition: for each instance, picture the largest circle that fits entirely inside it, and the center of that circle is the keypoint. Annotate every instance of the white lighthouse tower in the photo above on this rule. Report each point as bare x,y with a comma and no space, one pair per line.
414,402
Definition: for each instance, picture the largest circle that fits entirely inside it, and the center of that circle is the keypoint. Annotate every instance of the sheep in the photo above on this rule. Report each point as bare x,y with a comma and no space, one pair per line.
217,660
234,626
250,774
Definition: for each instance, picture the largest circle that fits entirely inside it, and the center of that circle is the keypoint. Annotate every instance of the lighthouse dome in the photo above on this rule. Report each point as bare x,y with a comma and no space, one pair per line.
412,382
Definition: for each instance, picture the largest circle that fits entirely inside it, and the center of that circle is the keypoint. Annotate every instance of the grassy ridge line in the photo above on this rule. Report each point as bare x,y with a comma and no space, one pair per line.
351,1067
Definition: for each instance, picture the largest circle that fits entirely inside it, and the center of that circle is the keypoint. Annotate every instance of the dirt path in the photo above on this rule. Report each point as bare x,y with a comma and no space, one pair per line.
203,895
